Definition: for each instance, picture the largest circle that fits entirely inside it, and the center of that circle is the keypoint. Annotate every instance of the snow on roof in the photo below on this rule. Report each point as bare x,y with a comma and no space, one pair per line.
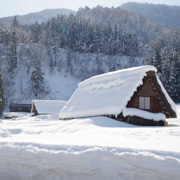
20,105
143,114
105,94
170,101
48,106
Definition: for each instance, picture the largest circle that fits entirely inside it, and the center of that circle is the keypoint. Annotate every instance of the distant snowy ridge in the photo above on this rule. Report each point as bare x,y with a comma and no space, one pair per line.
39,17
160,13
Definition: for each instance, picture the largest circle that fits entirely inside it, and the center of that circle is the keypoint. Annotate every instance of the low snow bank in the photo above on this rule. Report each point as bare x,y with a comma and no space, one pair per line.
14,114
143,114
79,163
4,133
98,148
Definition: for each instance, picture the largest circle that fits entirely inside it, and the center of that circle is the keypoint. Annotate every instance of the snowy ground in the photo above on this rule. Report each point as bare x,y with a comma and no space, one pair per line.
43,147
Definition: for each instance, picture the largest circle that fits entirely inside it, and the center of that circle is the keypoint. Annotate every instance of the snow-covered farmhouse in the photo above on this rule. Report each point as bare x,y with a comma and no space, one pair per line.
134,95
40,107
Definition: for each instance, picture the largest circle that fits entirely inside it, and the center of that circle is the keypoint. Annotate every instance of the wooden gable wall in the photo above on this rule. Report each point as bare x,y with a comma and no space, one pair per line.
34,110
151,88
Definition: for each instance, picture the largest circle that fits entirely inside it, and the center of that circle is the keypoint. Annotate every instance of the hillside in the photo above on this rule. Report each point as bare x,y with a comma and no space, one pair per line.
163,14
146,30
47,61
79,46
58,81
41,16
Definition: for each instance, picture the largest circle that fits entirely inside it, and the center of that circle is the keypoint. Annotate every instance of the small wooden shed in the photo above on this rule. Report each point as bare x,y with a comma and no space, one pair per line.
133,95
42,107
15,107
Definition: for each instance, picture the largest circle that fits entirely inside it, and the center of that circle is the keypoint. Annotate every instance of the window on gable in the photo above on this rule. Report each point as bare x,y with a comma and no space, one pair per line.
144,102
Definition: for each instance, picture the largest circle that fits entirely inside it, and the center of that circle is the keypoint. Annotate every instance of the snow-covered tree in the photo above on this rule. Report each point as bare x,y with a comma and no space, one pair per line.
37,79
98,65
12,53
2,100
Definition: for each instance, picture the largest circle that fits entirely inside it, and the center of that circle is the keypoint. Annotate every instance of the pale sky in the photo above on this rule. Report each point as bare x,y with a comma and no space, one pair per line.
21,7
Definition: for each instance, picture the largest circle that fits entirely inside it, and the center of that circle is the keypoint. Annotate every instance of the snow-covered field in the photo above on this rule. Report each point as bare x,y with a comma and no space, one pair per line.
43,147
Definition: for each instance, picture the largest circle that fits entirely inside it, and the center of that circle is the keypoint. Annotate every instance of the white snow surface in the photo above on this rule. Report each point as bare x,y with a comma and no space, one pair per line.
4,133
98,148
106,94
14,114
48,106
143,114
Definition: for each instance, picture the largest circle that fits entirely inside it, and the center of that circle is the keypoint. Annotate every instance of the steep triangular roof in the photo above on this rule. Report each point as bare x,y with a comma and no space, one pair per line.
107,94
48,106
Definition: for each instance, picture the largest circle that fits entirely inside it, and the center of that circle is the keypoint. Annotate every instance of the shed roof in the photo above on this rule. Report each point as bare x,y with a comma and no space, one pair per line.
20,105
48,106
107,94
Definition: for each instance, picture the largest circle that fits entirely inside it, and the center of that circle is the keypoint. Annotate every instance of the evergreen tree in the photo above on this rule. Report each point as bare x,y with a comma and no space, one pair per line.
98,63
35,32
12,54
2,101
69,66
176,76
157,60
37,79
167,58
15,23
157,57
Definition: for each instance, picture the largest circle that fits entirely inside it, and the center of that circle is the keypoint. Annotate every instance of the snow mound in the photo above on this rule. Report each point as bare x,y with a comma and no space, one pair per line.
4,133
97,148
15,114
79,163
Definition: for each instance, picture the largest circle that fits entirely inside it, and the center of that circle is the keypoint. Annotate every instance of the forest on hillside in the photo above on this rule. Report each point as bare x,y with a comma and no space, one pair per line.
90,42
160,13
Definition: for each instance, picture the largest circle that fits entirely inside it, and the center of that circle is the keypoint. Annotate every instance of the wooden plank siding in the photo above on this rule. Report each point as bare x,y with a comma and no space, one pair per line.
152,89
145,90
14,107
34,110
143,122
158,102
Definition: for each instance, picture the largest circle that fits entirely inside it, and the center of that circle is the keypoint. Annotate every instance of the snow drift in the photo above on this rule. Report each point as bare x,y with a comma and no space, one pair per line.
98,148
79,163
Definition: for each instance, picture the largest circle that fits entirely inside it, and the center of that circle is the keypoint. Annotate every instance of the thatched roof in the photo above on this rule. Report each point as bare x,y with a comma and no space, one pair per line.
107,94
